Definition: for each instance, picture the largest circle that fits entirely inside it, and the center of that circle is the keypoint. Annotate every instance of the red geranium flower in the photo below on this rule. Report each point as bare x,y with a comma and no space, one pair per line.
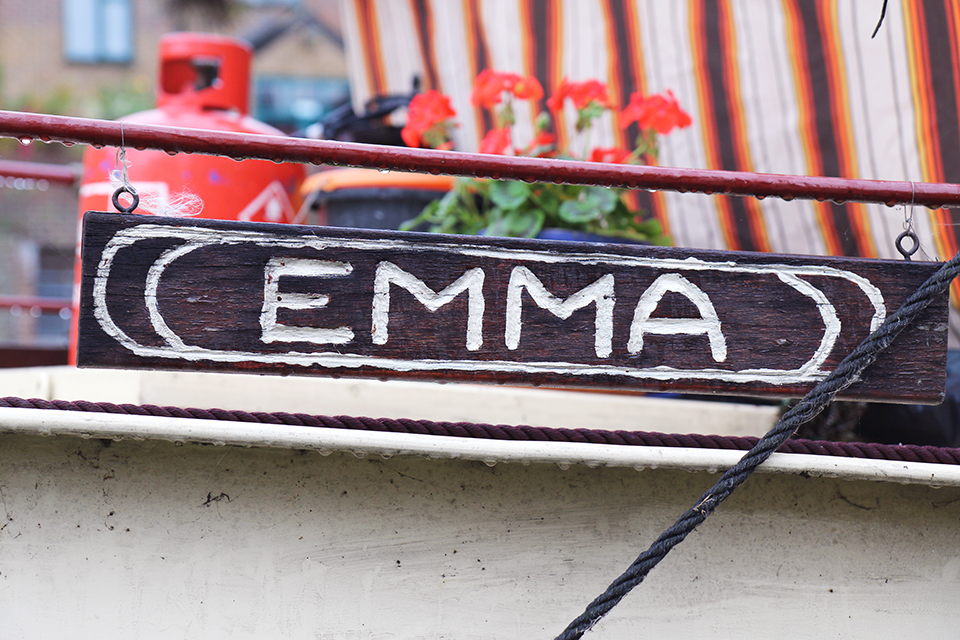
528,88
615,155
542,144
660,112
489,86
427,114
496,141
582,94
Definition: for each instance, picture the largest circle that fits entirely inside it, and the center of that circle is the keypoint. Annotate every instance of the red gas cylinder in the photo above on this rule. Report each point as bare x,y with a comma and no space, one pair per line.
203,83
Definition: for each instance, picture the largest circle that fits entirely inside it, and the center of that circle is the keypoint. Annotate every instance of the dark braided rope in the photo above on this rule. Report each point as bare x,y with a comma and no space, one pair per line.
865,450
846,373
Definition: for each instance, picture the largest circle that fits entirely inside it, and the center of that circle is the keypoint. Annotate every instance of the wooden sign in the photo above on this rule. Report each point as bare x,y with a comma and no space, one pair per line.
214,295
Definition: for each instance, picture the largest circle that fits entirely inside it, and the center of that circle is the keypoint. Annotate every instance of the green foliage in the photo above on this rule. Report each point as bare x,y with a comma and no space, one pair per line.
53,100
114,102
522,210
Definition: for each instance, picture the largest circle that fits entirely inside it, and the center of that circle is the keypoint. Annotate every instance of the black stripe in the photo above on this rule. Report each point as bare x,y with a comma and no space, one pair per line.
626,59
720,112
823,119
540,17
424,22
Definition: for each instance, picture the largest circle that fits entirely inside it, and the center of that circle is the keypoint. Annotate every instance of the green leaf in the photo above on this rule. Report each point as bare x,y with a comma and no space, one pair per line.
601,197
586,115
591,204
545,197
578,212
427,215
509,195
517,224
650,227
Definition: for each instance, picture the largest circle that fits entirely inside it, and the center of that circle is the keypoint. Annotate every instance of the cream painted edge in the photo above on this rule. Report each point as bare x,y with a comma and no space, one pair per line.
362,443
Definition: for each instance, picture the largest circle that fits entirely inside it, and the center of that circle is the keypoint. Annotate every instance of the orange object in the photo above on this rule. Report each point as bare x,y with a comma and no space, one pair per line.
338,179
203,83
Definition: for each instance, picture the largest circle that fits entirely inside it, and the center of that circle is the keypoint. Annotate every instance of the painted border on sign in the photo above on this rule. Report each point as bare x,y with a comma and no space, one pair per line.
196,238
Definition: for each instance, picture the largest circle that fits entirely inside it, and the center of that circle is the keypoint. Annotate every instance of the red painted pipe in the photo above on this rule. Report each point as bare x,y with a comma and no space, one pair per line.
26,126
29,302
39,171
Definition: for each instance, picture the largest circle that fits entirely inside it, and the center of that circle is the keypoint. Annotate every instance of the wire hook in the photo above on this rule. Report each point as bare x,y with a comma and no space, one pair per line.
125,184
908,228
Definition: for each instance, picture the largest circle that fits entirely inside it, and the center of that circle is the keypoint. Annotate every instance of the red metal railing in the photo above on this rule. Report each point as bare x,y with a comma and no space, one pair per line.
55,173
35,305
28,126
32,355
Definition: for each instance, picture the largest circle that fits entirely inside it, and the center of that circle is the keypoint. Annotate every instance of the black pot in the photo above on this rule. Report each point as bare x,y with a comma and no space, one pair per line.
374,207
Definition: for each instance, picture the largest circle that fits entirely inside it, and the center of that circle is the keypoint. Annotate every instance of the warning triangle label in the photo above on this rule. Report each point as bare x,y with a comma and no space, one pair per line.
271,205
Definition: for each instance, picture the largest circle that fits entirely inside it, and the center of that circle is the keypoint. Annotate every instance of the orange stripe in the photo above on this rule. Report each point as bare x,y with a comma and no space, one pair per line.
556,40
360,16
925,118
806,124
842,122
944,233
527,43
473,31
924,114
731,71
953,17
370,38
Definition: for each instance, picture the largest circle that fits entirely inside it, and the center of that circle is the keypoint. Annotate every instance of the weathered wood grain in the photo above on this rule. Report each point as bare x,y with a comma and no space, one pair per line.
201,294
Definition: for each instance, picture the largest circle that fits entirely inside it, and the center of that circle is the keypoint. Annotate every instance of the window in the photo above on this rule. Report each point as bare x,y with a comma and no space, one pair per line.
54,280
293,103
98,31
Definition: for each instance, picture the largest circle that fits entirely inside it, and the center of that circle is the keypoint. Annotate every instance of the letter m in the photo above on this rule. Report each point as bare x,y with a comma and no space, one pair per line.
600,292
471,282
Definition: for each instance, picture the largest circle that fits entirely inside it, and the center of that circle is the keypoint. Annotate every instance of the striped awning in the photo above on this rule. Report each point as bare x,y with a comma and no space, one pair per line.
774,86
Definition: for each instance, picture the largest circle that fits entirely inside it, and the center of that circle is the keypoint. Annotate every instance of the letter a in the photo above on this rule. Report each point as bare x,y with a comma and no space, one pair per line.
707,323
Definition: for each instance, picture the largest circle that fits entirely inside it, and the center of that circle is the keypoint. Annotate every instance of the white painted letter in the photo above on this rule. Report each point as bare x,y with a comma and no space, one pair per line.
600,292
272,300
471,282
707,323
